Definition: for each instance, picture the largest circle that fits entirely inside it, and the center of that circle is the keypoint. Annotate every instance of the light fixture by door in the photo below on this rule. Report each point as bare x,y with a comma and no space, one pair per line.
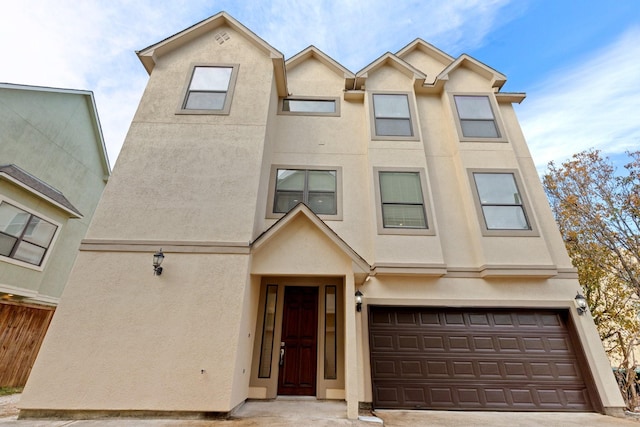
581,302
358,300
158,257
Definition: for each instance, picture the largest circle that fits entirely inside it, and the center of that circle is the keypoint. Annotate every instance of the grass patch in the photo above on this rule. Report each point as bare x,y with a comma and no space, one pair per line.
5,391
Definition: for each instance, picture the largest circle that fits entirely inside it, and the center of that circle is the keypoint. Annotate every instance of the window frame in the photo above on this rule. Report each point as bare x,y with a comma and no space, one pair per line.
494,110
526,206
229,93
336,101
413,118
48,249
429,218
272,189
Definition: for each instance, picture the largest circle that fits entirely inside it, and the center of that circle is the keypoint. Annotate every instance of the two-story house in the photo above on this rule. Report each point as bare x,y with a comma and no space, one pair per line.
53,168
378,237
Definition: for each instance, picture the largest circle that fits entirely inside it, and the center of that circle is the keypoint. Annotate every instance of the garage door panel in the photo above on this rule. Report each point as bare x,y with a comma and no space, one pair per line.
481,396
386,366
482,359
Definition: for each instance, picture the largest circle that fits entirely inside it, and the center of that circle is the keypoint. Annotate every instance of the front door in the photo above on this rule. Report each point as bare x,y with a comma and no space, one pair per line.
297,374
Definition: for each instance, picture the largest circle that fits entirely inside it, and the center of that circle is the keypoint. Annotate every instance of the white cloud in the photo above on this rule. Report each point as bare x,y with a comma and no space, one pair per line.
90,44
593,104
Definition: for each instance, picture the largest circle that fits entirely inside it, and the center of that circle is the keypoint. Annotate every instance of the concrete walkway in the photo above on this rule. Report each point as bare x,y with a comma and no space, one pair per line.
311,412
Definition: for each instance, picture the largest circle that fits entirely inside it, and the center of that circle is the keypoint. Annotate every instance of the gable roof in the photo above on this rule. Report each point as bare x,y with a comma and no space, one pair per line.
91,103
497,79
303,210
397,63
315,53
149,54
39,188
428,48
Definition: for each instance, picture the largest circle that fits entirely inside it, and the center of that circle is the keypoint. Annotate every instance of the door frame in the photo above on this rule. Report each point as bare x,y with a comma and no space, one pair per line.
267,387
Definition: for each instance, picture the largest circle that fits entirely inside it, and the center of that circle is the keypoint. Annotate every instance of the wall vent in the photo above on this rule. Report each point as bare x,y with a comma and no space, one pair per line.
222,37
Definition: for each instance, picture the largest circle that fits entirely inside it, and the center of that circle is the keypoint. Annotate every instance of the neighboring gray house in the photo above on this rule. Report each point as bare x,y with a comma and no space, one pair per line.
53,168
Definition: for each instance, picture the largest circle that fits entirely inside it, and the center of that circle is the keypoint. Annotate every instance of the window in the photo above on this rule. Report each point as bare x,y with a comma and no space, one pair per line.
330,336
209,90
476,117
317,188
392,116
268,328
24,236
501,203
402,201
401,197
310,106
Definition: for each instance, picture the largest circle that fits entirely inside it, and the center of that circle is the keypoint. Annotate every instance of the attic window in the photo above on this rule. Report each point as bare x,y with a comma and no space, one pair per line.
210,89
309,106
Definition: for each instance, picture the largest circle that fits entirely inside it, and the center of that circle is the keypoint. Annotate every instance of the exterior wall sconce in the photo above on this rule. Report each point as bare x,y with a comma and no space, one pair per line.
158,257
581,301
358,300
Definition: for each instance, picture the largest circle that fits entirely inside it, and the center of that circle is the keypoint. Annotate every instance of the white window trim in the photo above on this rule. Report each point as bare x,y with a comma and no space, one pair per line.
58,225
228,98
528,211
272,190
496,117
336,101
430,230
413,118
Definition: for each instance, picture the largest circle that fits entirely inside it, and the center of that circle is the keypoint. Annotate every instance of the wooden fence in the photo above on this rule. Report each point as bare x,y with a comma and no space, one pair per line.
22,329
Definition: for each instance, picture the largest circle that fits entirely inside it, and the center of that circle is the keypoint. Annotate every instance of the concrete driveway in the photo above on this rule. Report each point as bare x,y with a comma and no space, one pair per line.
500,419
311,412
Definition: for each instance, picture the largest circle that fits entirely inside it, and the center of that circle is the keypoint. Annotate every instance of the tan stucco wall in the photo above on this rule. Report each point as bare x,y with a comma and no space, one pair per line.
200,173
123,338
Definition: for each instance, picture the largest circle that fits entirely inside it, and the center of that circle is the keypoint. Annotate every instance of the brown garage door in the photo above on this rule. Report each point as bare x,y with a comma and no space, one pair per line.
442,358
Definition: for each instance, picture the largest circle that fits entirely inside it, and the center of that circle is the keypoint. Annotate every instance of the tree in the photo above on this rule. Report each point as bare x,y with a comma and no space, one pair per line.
598,213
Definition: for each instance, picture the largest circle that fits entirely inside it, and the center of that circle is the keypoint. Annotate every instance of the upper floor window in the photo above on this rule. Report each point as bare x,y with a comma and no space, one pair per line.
310,106
317,188
210,89
393,116
402,201
23,235
501,203
476,117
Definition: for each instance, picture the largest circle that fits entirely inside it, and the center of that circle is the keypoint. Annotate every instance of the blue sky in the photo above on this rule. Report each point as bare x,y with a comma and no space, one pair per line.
578,61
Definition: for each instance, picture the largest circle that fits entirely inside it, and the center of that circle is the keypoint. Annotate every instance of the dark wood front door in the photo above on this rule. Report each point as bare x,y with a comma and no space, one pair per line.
299,342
